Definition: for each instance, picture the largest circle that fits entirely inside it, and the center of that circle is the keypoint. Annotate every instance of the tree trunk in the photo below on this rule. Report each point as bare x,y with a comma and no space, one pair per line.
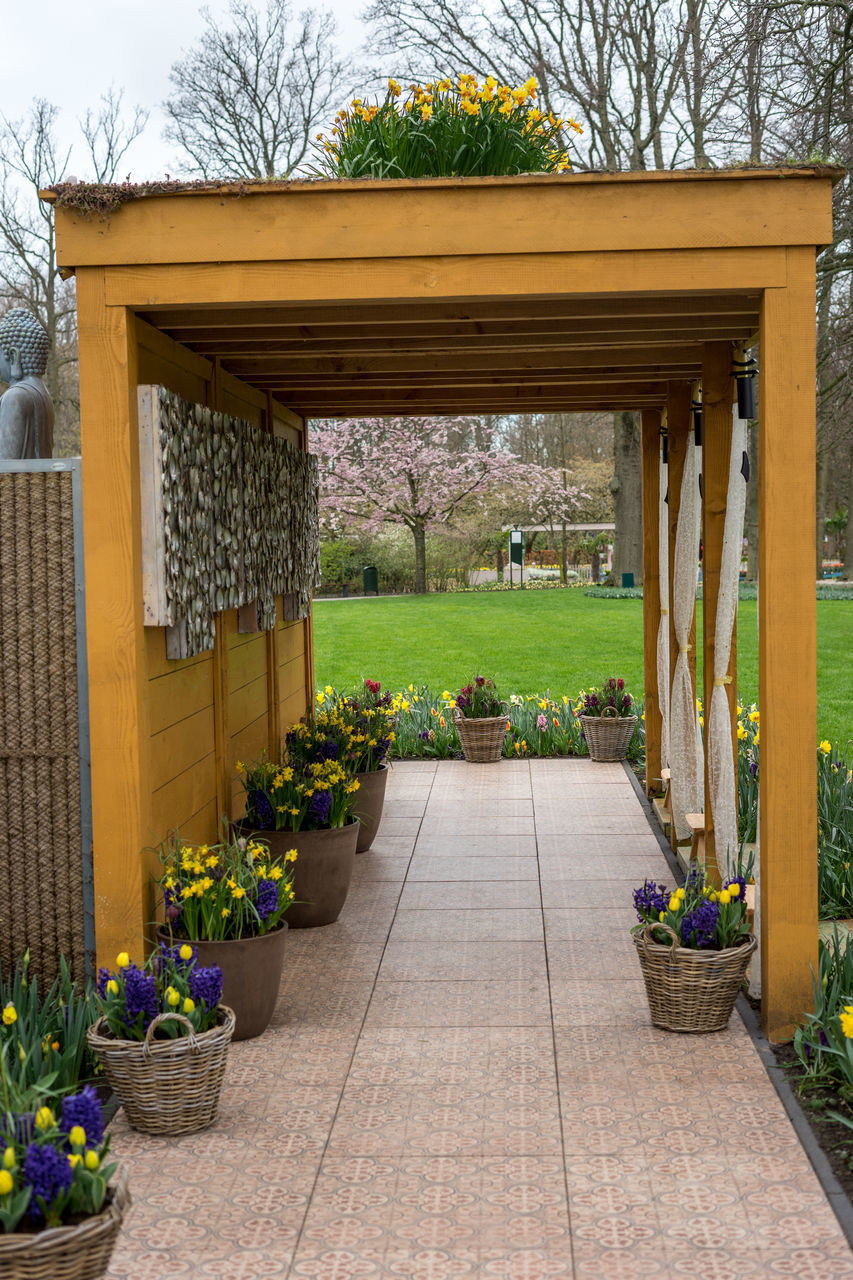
751,521
821,513
848,551
419,535
564,556
594,567
626,487
499,561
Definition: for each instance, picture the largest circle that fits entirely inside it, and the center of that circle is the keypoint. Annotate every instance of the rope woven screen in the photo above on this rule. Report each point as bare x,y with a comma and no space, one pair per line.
41,868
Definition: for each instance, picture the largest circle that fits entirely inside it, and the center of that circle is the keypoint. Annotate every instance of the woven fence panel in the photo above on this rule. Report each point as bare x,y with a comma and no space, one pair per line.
41,877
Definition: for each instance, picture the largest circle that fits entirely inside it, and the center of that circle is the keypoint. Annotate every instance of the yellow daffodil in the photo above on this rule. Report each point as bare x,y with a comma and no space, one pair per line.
10,1015
754,716
7,1182
9,1158
734,890
77,1136
674,903
188,1005
846,1018
112,987
186,952
826,746
173,997
45,1119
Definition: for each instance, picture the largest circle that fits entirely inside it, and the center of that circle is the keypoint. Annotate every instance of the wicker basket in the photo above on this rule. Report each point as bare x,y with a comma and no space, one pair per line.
482,737
608,735
81,1252
690,990
166,1086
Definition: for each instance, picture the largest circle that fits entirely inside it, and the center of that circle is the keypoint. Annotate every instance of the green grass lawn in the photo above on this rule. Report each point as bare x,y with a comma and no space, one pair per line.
537,640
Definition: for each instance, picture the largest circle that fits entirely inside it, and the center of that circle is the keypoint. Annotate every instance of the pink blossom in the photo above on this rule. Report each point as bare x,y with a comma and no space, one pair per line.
542,721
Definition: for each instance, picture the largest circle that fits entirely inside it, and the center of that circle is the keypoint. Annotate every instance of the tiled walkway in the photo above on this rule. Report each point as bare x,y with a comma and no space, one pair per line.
462,1080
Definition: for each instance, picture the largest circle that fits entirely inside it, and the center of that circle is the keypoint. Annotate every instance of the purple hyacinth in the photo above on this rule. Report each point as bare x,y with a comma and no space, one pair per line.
48,1173
104,976
699,927
263,810
173,906
267,898
172,955
328,750
320,808
84,1109
650,900
738,880
140,996
206,985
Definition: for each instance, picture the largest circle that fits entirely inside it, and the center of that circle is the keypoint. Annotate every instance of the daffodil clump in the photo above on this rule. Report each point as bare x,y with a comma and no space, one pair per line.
447,128
170,981
53,1156
362,725
701,917
824,1043
44,1034
234,889
311,787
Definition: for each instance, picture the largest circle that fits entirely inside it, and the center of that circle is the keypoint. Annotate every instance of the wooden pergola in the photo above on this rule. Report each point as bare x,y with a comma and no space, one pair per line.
341,299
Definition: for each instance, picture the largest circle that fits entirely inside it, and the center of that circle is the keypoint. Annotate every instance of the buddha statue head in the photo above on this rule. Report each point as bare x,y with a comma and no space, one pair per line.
22,333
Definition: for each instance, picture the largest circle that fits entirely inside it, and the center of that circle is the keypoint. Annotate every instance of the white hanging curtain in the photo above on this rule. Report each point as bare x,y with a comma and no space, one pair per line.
663,627
686,762
721,766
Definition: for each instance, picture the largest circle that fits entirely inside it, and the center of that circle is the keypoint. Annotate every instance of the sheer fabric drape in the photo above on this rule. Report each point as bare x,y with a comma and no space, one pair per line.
686,761
721,766
663,627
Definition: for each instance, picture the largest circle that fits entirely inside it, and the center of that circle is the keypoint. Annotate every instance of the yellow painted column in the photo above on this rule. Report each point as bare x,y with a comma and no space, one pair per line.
787,647
114,629
650,430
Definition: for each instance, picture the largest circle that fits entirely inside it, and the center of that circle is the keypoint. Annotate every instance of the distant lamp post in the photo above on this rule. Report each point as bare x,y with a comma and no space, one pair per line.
516,553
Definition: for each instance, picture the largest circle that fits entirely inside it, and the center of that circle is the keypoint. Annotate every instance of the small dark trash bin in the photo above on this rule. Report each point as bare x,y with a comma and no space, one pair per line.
627,579
370,578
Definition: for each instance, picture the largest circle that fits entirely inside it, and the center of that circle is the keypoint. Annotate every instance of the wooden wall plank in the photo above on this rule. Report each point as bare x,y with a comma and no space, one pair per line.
650,432
176,695
175,749
182,797
291,641
787,649
247,703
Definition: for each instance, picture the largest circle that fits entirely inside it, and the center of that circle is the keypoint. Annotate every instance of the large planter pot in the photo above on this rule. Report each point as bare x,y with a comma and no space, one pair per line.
321,873
690,990
608,736
369,802
251,975
80,1252
482,737
166,1086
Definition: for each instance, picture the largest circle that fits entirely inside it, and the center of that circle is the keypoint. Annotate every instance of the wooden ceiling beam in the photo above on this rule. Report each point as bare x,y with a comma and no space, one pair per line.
507,395
331,386
419,310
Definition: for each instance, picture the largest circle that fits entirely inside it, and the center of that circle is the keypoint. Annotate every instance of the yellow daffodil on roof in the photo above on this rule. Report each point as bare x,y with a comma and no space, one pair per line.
442,129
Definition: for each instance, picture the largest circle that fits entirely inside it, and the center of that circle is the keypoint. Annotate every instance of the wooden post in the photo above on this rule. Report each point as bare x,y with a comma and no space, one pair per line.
678,434
118,704
650,431
717,396
787,648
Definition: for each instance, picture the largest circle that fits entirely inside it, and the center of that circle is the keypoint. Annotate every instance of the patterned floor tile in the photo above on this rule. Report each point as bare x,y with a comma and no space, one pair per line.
501,1002
443,895
461,961
506,924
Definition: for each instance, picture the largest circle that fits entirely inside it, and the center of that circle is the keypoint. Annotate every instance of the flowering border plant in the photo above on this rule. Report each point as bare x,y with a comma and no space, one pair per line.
170,981
53,1167
213,893
46,1034
611,694
310,788
479,700
702,917
443,130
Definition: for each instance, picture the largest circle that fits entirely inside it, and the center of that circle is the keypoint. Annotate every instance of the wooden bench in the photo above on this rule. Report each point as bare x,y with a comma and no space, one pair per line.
696,823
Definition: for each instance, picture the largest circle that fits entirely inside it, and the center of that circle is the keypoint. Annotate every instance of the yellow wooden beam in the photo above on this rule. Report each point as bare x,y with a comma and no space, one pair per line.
650,432
118,705
787,649
518,216
413,278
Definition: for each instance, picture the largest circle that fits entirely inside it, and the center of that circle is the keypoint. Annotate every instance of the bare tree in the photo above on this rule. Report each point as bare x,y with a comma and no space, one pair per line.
250,94
31,159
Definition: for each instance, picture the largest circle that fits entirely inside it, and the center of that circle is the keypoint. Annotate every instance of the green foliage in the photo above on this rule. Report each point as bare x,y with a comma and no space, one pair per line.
47,1036
823,1046
835,833
440,131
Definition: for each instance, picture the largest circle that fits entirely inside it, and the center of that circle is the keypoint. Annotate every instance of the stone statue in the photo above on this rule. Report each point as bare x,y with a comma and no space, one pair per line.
26,409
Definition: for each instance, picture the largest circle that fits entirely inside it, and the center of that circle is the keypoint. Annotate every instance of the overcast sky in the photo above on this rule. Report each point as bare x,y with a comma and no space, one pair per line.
70,52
